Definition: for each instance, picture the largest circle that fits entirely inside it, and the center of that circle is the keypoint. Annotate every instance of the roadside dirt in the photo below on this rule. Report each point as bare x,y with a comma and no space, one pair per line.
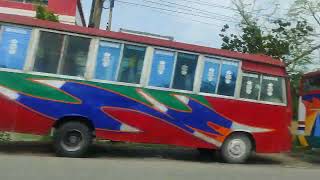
301,159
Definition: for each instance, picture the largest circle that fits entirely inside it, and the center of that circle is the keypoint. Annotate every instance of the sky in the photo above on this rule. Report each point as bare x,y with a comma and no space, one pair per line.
190,21
202,27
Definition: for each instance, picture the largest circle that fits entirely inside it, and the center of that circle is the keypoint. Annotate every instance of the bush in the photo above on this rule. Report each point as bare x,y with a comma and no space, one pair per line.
44,14
4,137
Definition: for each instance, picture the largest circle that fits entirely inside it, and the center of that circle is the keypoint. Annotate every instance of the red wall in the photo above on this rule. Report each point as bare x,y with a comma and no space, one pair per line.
62,7
17,5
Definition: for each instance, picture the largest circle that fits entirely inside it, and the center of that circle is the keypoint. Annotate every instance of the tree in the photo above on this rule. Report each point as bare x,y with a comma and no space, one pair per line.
44,14
308,10
286,39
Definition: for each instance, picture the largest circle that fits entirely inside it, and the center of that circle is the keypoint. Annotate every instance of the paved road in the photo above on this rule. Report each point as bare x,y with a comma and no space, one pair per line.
106,162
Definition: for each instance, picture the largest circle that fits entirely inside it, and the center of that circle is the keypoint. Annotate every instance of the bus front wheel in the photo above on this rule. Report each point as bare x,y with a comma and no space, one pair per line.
72,139
236,149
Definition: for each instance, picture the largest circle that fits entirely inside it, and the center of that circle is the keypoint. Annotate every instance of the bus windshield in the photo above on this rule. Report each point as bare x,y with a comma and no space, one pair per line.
311,84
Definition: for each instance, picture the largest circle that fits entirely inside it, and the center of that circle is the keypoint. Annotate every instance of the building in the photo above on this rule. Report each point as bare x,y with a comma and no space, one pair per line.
152,35
69,11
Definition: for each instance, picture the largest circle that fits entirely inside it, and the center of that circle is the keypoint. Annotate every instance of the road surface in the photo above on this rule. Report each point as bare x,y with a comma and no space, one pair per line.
138,162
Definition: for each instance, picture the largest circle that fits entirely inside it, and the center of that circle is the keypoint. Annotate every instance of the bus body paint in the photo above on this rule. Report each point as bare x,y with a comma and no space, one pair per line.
131,114
309,127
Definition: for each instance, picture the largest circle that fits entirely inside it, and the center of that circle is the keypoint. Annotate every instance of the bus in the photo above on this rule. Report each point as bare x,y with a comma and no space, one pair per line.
309,111
79,85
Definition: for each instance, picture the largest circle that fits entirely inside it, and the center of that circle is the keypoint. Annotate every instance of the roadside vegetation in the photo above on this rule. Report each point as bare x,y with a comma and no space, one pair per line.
292,37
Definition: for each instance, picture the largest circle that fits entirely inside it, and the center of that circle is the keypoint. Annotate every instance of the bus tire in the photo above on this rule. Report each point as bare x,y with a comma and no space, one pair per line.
72,139
236,149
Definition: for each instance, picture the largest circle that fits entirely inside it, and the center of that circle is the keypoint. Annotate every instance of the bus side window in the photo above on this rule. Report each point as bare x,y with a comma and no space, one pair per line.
64,54
75,56
162,68
14,43
210,76
48,54
250,87
108,61
272,89
131,64
185,71
311,84
228,78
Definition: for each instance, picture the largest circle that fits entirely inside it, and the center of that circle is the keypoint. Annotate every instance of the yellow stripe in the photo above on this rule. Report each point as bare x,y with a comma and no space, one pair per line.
303,141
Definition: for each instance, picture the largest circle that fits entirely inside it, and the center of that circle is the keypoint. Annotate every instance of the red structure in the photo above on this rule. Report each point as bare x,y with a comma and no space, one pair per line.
69,11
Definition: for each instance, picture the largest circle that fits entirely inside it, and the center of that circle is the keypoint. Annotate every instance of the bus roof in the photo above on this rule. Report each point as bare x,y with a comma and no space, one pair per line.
312,74
21,20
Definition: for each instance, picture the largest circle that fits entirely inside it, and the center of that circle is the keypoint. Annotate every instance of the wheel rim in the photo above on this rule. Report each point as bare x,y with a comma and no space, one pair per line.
237,148
72,140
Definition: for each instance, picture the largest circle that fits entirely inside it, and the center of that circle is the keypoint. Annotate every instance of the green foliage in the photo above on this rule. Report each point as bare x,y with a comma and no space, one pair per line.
289,40
44,14
4,137
285,40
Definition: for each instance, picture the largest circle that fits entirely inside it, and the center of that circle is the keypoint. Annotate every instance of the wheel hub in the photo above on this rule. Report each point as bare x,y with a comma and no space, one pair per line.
72,140
237,148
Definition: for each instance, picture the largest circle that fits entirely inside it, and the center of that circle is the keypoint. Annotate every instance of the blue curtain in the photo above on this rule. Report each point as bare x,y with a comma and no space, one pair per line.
210,77
107,61
14,43
162,69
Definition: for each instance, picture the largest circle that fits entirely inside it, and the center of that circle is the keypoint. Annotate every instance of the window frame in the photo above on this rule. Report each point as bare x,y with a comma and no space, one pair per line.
212,60
149,73
284,90
260,81
96,51
306,88
175,51
64,34
221,60
122,43
143,64
32,41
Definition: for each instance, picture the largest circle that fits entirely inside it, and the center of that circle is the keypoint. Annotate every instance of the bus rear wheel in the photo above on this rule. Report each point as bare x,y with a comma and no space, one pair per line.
72,139
236,149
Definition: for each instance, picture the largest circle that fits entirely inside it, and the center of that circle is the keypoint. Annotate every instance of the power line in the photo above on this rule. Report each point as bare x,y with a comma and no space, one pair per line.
194,20
210,4
188,8
229,8
175,11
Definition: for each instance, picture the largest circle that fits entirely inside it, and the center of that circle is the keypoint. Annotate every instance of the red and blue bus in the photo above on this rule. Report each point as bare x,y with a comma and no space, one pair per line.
309,110
80,84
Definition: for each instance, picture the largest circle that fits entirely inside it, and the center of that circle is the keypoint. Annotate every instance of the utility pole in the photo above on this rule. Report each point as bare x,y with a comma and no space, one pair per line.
95,14
111,6
91,23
